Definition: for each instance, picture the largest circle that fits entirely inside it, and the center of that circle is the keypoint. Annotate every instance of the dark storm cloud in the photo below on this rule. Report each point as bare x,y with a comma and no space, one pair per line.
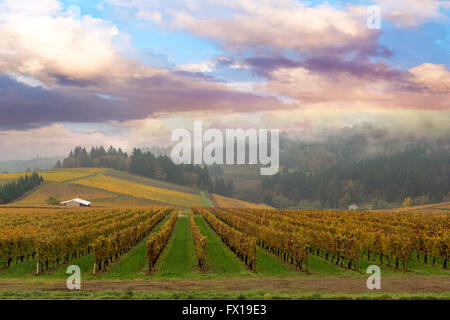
24,107
326,65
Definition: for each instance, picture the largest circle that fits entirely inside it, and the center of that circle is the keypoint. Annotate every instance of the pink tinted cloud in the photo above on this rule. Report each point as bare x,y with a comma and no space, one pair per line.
283,25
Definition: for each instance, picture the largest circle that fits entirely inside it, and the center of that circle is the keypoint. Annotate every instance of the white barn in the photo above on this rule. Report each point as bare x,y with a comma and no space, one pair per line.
77,202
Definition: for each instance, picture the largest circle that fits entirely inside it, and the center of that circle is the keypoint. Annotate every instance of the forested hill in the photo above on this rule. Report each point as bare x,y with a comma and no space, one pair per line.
422,173
141,163
352,146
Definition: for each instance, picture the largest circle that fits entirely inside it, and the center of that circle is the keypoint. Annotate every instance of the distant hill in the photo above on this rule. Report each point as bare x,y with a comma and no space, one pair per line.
23,165
443,207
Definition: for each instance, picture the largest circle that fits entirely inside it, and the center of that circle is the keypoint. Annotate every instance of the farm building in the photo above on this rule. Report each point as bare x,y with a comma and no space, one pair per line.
77,202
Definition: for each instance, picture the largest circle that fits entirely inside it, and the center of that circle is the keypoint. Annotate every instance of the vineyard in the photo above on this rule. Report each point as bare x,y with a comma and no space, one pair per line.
343,237
159,242
55,238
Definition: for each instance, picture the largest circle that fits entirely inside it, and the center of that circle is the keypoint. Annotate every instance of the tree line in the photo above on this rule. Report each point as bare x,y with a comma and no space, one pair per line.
148,165
14,189
412,173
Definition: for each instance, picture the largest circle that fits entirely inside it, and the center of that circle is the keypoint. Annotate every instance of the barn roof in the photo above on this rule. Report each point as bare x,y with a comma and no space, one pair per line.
83,202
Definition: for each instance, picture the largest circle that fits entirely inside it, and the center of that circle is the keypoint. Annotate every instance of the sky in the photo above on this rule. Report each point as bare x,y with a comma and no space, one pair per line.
129,72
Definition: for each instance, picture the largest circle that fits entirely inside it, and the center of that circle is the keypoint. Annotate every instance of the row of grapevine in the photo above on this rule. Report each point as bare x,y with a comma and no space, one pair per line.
108,249
22,241
200,242
343,236
390,237
242,245
62,247
289,247
53,238
340,247
157,241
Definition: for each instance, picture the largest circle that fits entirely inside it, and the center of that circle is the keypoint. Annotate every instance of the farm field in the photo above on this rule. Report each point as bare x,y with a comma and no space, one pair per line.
121,186
108,188
312,268
226,202
63,192
443,207
150,182
58,175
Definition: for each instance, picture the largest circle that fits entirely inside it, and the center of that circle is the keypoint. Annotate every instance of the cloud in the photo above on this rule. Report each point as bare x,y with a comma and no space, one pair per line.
51,140
24,106
432,78
154,16
411,13
55,68
38,39
258,25
375,84
204,66
282,25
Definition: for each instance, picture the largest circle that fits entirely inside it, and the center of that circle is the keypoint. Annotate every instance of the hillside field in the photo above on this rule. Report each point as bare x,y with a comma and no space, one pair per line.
227,202
110,188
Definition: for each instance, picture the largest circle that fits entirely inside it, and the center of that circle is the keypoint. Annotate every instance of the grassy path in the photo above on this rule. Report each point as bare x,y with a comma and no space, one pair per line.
133,264
178,258
267,264
220,259
85,177
267,287
205,199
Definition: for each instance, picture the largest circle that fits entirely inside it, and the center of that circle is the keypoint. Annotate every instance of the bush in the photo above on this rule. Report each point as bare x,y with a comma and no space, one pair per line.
52,200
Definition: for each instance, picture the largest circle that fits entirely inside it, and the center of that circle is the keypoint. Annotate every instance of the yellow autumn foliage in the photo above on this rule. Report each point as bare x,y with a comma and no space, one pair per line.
226,202
125,187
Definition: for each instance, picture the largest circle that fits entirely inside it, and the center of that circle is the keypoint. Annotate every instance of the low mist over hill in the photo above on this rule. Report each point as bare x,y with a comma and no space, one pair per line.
35,164
364,166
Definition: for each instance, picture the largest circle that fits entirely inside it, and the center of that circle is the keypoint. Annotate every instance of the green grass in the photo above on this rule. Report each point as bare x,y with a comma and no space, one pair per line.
178,258
205,199
86,264
414,267
133,264
128,266
319,266
28,269
268,264
25,269
251,294
220,259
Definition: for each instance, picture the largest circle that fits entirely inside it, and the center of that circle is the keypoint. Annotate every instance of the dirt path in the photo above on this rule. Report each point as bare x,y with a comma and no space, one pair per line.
82,178
288,285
